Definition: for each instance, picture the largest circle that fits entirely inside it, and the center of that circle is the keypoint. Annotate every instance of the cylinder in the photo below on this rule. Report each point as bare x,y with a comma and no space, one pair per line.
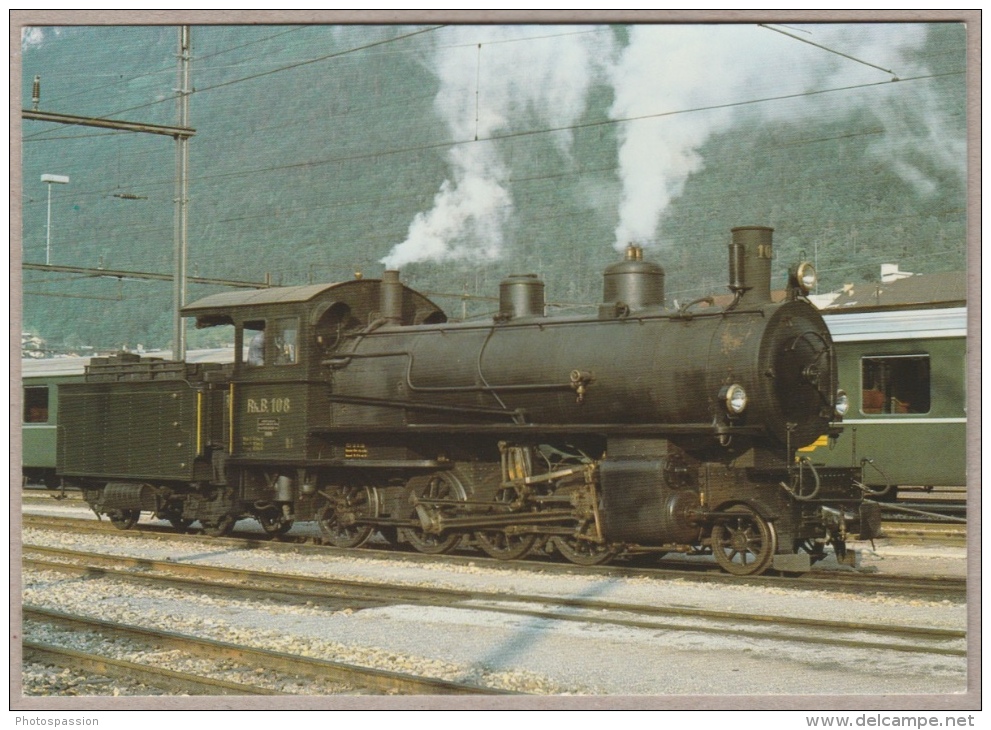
633,282
391,298
521,295
750,255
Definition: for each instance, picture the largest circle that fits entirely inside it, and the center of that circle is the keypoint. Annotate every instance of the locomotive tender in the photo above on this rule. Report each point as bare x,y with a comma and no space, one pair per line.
357,405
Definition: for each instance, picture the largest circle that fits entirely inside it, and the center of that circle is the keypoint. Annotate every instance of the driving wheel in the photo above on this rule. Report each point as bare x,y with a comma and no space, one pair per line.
338,517
584,552
440,486
504,545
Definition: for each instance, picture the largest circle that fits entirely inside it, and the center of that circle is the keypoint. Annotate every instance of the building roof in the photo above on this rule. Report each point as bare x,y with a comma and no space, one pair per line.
944,288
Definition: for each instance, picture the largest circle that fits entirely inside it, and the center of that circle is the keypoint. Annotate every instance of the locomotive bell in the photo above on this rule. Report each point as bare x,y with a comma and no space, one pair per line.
633,282
750,263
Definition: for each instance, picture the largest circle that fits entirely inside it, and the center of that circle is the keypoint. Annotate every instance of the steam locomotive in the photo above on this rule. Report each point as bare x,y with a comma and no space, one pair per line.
358,405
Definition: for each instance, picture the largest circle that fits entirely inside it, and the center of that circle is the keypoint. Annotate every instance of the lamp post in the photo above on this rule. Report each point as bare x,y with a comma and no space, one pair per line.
59,180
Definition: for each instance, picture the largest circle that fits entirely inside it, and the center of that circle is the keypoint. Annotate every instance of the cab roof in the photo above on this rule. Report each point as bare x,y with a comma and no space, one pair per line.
258,297
360,297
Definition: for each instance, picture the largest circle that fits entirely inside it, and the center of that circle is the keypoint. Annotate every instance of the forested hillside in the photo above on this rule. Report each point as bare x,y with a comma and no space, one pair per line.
463,154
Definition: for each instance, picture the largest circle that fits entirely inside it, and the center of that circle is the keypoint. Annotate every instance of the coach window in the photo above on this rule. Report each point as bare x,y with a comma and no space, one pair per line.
36,405
254,340
895,384
285,341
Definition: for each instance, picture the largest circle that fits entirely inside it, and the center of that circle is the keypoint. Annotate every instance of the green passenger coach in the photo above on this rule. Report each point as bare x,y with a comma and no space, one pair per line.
904,370
41,379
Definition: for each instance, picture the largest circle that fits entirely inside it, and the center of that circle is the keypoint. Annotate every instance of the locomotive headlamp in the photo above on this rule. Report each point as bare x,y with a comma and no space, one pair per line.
735,398
842,403
806,276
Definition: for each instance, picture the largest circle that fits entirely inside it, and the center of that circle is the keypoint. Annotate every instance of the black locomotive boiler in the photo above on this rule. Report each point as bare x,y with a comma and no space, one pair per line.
358,405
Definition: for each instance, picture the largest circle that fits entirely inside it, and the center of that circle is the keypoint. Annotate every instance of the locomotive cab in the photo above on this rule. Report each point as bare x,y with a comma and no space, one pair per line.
278,397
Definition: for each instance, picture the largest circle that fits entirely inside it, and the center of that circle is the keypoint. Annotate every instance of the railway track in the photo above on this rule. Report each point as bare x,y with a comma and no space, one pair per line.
925,533
262,585
340,676
935,587
136,673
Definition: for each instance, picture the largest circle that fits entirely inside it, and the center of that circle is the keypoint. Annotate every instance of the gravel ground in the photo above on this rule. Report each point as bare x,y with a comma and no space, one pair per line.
39,680
528,654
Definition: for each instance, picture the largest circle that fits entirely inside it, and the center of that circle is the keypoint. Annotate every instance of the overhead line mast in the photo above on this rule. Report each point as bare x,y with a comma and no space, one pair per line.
181,132
181,194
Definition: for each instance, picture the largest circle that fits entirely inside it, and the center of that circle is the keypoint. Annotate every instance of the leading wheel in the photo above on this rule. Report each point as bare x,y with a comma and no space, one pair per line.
584,552
124,519
339,514
744,543
443,486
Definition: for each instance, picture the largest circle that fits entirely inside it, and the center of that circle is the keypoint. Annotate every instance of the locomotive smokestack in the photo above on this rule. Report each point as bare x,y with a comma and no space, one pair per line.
391,298
750,264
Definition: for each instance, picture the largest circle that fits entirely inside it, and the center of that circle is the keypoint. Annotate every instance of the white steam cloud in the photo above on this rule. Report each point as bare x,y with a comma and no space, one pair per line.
467,217
679,85
663,73
31,37
34,36
493,81
674,86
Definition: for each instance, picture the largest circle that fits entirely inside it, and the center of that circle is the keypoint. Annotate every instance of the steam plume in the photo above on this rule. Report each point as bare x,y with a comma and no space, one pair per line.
678,85
674,86
500,84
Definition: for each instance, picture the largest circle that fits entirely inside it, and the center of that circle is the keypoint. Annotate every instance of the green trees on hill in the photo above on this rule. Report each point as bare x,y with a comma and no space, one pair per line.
311,160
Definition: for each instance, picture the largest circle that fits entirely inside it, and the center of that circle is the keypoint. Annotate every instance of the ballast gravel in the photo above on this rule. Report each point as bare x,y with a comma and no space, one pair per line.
522,654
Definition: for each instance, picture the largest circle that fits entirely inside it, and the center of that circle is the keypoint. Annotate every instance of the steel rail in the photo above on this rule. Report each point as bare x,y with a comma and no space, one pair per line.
193,577
944,587
167,679
288,664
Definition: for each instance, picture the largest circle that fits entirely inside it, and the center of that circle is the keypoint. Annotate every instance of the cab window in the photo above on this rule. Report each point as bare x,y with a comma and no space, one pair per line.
254,343
36,404
284,341
895,384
